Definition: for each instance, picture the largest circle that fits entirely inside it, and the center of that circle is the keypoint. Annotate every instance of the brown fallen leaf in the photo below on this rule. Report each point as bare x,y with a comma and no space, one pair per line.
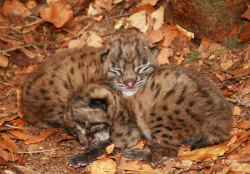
205,154
243,155
138,20
19,105
77,43
3,161
245,124
237,110
43,135
9,118
10,145
131,166
20,134
158,16
3,61
15,6
151,2
58,13
164,55
219,75
246,14
155,36
205,45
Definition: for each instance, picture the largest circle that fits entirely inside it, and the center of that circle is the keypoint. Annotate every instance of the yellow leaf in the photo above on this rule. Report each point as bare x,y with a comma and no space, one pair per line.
110,148
158,15
104,166
138,20
164,55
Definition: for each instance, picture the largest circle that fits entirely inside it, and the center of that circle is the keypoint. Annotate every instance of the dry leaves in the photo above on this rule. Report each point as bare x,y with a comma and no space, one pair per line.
58,13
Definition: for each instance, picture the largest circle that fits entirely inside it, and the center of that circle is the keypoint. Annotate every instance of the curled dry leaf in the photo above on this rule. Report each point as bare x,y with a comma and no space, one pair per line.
246,14
205,154
16,7
3,61
164,55
9,144
245,124
186,33
170,33
58,13
158,15
205,45
138,20
103,166
92,11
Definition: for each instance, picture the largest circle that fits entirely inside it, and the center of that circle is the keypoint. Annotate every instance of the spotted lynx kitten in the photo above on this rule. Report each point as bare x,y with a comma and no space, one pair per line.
177,105
125,63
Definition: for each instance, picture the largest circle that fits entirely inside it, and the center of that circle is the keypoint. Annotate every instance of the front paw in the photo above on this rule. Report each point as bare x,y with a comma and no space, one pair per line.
80,160
137,153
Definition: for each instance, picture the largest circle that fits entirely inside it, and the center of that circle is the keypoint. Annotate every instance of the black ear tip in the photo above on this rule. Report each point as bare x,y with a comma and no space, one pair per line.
104,56
154,51
98,103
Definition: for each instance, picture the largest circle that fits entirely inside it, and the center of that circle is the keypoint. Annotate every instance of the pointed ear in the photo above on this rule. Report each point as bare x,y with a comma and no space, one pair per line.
154,51
104,56
98,103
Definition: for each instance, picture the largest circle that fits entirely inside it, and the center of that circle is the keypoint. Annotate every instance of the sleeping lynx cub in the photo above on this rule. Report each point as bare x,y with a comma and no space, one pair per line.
177,105
125,63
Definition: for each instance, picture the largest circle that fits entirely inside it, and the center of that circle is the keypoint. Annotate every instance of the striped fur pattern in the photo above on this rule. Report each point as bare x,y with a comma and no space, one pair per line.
177,105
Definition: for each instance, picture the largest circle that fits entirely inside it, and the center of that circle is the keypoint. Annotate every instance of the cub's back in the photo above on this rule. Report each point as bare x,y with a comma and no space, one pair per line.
45,93
183,103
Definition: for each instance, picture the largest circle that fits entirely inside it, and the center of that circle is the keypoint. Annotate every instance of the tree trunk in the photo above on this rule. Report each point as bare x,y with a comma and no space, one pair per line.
212,19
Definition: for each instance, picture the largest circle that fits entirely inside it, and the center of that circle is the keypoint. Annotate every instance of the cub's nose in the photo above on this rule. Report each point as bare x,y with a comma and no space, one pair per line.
130,82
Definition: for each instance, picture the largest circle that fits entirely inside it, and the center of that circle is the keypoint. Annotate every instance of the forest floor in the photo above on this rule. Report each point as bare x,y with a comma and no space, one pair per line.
26,40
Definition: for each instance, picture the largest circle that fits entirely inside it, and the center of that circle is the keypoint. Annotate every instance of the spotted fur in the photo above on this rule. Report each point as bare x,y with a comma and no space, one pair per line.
177,105
46,91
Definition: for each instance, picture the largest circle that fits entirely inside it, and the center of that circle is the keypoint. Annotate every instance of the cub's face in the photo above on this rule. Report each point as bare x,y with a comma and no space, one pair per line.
129,62
88,114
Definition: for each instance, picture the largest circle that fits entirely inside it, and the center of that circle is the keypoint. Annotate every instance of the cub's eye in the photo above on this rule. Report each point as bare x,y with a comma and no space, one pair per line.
119,71
140,69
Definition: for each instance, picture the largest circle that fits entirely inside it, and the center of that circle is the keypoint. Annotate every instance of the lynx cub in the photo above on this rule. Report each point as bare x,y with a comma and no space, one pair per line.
125,63
177,105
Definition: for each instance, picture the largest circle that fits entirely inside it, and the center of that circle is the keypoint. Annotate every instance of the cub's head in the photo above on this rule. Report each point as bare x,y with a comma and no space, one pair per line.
128,63
89,112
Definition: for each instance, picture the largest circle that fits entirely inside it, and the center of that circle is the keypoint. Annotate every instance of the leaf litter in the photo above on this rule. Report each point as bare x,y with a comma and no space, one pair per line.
26,149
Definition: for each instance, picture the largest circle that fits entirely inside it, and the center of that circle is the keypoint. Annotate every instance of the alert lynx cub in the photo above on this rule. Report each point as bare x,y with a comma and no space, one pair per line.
125,63
177,105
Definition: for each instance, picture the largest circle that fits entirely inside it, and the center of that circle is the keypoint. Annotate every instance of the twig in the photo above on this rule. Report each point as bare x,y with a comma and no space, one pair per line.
141,171
16,48
97,14
239,102
11,37
39,151
244,51
118,16
78,34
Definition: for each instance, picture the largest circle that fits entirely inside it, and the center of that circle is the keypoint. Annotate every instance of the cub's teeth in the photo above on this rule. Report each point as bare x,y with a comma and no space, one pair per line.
70,165
79,165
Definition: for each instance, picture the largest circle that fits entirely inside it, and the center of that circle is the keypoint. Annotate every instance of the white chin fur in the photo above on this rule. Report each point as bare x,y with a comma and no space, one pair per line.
130,92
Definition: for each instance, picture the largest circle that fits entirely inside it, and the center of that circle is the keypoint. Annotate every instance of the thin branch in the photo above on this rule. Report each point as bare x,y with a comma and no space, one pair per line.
141,171
239,102
38,151
16,48
97,14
